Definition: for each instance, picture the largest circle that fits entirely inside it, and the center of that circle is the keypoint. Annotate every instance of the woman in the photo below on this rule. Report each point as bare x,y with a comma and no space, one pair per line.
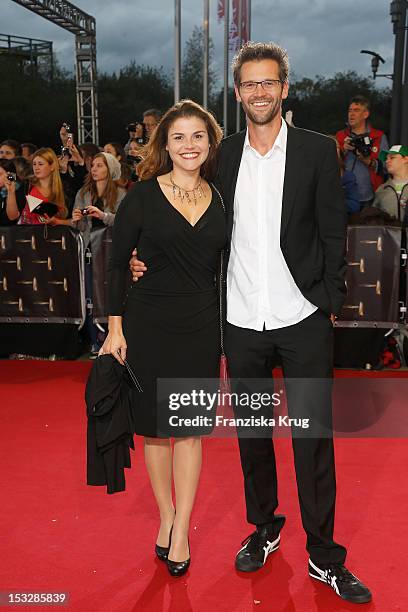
100,196
96,205
88,152
73,172
169,324
115,149
12,193
46,185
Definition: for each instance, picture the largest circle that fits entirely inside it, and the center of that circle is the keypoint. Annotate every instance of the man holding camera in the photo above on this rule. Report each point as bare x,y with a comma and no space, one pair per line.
362,145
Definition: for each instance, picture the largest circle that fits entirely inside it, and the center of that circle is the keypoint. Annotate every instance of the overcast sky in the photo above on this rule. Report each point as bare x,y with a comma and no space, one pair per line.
321,36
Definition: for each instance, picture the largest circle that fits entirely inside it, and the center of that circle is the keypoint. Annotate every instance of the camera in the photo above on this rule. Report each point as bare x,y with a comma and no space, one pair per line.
84,211
11,177
138,126
65,152
132,159
361,143
70,138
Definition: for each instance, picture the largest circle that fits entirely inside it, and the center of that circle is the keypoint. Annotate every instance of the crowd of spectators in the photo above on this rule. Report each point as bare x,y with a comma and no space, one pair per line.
83,185
80,186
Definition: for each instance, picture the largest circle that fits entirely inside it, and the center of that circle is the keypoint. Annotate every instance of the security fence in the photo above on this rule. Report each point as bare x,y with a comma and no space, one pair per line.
42,276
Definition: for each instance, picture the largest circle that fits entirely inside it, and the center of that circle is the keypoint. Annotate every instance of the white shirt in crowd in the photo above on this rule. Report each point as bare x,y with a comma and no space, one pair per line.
261,292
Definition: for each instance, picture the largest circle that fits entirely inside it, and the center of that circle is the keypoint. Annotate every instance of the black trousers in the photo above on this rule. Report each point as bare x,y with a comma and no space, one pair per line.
305,351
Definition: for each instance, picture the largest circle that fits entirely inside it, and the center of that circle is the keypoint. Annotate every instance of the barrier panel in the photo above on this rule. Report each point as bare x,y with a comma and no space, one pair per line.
101,242
373,277
41,275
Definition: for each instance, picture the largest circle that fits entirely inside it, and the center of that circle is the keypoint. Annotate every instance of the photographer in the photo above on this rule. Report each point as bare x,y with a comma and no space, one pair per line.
12,193
151,119
362,145
136,133
72,166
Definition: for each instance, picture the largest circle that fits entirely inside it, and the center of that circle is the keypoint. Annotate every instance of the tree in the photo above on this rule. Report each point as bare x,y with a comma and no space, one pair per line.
192,69
125,97
321,104
33,108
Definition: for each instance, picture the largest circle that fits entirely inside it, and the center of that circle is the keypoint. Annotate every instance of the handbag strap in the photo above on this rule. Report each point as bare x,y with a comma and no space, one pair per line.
131,373
132,376
221,279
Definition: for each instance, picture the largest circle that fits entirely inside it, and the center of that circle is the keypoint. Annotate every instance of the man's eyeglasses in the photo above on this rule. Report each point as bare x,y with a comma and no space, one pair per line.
267,85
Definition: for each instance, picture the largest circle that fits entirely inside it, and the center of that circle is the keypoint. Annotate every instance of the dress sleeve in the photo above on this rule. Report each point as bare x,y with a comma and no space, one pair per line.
126,231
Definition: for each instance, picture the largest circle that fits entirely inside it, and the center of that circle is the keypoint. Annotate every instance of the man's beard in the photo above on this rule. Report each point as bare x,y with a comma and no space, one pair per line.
266,118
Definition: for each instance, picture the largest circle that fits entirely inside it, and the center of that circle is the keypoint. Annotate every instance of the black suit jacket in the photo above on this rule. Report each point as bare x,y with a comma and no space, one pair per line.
313,223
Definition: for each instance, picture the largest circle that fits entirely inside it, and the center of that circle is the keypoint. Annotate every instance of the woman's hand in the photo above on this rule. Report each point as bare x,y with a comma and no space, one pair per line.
63,163
94,211
76,155
10,186
51,220
63,135
115,345
77,214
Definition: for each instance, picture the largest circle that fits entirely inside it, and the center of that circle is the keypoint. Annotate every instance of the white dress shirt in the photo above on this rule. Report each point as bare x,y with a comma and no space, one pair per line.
261,292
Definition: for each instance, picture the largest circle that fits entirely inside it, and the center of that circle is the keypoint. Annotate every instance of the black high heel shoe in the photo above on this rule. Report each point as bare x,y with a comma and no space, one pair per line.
179,568
163,551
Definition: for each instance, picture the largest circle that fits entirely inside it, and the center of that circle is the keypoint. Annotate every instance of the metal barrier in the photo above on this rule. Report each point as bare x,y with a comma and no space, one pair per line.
373,278
41,275
101,240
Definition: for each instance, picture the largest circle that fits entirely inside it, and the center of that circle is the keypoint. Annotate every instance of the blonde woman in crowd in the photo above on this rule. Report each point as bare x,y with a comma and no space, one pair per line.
95,205
46,185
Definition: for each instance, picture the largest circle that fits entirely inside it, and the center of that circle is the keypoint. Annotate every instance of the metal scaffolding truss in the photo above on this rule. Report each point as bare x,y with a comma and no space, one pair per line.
27,50
76,21
85,47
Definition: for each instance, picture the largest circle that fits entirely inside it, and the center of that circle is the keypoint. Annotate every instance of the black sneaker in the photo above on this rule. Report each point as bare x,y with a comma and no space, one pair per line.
343,582
256,549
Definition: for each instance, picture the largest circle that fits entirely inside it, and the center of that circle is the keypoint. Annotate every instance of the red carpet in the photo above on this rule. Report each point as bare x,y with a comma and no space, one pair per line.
57,534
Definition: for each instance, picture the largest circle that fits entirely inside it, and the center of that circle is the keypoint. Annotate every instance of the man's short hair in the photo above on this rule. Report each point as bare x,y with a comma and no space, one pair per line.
361,101
257,51
154,112
12,144
30,146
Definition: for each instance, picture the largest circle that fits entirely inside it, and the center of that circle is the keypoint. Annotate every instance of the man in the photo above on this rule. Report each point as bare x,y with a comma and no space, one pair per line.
285,280
362,154
392,196
151,118
28,149
9,149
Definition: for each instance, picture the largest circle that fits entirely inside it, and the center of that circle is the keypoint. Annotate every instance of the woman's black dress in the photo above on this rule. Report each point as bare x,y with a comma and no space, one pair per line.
171,315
